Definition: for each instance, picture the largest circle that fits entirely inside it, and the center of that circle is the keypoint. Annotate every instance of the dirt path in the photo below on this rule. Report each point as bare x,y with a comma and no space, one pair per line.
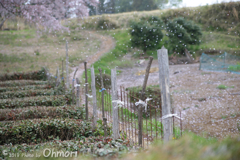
206,109
106,46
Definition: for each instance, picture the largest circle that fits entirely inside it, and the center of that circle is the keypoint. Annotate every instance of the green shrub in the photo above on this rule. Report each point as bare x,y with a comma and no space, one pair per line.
35,101
72,112
106,81
100,23
28,93
221,86
25,88
42,130
104,24
98,146
14,83
36,75
182,34
146,34
234,68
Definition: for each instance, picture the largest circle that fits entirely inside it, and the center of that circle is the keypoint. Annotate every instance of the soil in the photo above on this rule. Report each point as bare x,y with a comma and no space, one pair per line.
205,108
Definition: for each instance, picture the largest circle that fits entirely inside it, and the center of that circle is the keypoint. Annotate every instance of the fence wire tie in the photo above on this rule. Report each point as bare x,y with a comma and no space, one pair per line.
143,103
89,96
102,89
73,80
77,85
119,103
85,84
171,115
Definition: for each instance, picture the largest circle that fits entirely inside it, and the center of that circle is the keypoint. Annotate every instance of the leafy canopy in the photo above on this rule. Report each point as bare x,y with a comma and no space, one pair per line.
182,33
146,34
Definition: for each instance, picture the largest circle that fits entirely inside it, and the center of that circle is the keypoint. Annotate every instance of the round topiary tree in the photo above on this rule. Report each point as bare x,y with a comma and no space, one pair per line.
182,33
146,33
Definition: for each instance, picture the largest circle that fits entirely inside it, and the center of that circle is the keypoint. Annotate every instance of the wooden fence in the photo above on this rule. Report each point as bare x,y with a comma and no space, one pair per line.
133,115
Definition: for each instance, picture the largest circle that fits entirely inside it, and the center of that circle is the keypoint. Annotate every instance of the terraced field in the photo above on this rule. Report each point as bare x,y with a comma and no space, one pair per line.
34,115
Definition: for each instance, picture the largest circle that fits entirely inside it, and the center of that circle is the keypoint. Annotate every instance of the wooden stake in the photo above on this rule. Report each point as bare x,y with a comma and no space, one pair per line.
94,98
67,78
73,89
103,116
78,92
140,107
86,90
165,94
114,104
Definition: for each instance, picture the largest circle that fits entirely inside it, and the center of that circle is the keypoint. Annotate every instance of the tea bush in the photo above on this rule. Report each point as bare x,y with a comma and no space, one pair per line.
36,75
27,93
35,101
96,146
15,83
71,112
25,88
42,130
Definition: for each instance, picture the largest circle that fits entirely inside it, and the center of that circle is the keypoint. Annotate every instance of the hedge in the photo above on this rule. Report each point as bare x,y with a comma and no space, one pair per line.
29,87
27,93
95,146
42,130
14,83
42,112
35,75
35,101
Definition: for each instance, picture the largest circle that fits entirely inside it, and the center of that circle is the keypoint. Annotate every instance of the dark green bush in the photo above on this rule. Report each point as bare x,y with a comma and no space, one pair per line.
106,81
25,88
72,112
146,34
42,130
35,101
104,24
27,93
14,83
36,75
98,146
182,33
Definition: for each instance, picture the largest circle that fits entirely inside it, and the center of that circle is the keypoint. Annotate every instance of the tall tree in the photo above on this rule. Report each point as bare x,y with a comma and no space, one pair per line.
46,13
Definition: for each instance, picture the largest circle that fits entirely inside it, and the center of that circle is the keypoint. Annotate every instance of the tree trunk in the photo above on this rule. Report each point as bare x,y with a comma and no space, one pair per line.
2,23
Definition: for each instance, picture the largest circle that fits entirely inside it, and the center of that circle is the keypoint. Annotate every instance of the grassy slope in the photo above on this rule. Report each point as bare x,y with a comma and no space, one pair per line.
24,50
220,25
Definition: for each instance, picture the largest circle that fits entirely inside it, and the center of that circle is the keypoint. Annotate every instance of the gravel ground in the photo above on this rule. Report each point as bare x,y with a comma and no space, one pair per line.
206,109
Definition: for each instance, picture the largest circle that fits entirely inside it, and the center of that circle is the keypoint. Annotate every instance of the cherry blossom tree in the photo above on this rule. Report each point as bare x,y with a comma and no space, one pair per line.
46,13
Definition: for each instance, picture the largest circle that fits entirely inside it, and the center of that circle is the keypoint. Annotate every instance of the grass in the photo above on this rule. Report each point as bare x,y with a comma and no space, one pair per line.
122,47
221,86
25,50
193,147
234,68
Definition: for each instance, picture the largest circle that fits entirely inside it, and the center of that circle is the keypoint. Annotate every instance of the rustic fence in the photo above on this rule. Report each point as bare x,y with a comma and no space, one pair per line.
131,114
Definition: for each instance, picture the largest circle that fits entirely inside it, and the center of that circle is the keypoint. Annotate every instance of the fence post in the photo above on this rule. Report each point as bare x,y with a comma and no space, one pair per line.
73,89
165,94
103,115
63,76
78,92
114,104
67,78
94,98
86,90
57,74
140,107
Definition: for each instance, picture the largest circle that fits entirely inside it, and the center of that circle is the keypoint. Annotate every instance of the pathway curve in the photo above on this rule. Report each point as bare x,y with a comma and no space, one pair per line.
106,46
